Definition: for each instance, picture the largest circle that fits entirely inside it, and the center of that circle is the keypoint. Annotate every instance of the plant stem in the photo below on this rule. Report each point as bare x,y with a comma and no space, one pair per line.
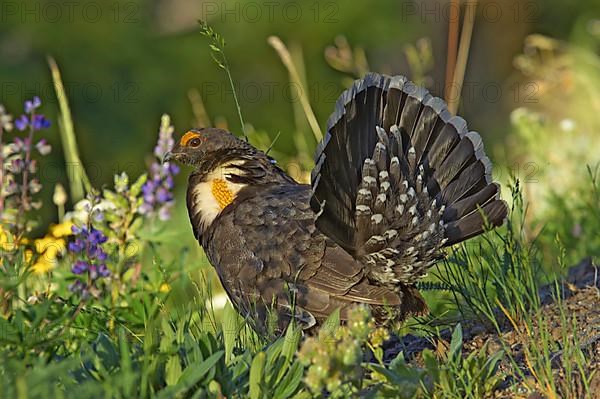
218,53
198,109
1,172
453,28
235,98
463,56
78,179
286,58
25,181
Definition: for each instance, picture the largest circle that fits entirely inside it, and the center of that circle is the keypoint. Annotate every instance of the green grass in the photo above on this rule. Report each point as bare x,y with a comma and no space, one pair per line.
142,340
156,344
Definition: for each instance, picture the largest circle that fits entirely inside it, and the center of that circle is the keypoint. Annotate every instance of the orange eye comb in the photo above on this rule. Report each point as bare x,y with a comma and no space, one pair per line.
187,137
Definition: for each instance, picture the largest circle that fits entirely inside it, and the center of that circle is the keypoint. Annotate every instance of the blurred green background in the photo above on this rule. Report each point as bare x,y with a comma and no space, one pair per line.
124,63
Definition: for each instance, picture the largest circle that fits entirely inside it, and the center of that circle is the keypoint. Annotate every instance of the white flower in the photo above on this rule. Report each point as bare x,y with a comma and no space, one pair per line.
567,125
81,211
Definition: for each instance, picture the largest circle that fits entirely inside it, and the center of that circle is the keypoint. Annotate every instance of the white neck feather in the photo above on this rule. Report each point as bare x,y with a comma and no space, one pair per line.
204,204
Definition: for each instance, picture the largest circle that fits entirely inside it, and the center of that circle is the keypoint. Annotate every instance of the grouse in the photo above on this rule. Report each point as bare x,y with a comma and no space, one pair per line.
397,179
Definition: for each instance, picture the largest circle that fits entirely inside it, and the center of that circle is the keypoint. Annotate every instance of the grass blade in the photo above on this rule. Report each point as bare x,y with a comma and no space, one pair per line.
78,179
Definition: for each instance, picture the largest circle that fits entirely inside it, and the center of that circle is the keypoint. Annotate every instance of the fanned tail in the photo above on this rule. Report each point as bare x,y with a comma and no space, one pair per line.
397,178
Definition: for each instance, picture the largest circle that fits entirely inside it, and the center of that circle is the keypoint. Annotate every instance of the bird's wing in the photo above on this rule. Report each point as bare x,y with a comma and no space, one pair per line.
397,177
267,251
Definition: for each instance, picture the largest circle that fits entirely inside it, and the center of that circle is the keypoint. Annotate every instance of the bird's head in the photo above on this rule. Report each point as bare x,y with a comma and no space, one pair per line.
207,149
224,166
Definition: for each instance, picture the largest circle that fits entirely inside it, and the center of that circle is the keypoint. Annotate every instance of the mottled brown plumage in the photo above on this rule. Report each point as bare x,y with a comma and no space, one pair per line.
396,179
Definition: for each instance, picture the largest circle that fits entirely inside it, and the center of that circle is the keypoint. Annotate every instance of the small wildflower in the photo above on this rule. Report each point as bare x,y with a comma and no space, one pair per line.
79,267
7,243
62,229
49,249
6,122
59,197
43,147
164,287
27,256
378,336
22,122
332,360
19,184
83,209
89,256
35,186
39,122
31,105
156,191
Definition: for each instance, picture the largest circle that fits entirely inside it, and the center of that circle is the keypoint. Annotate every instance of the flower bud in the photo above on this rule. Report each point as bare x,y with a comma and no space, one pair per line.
60,195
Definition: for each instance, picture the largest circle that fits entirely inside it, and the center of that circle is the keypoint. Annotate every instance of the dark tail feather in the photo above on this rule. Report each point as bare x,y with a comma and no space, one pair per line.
396,166
474,223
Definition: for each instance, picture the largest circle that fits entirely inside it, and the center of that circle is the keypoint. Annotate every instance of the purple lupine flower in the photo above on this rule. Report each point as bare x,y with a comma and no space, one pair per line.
165,138
76,246
156,191
97,237
22,122
89,259
79,287
31,105
79,267
19,184
103,270
17,166
31,119
39,122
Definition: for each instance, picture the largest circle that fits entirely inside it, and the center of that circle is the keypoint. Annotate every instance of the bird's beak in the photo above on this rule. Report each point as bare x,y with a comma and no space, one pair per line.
169,156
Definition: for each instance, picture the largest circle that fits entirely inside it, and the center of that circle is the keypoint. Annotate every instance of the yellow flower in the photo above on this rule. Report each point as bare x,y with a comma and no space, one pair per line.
48,248
7,241
28,255
42,266
61,229
164,287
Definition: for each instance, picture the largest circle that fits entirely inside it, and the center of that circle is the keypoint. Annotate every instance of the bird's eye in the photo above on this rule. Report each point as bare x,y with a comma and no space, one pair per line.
195,142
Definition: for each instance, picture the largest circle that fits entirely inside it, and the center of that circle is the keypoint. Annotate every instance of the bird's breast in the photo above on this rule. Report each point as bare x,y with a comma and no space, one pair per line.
210,196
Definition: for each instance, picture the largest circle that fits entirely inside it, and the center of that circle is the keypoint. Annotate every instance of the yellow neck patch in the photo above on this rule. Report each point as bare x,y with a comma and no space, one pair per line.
222,193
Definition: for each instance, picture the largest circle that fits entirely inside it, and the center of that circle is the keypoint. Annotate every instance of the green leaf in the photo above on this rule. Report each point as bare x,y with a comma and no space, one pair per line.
331,324
456,342
135,226
390,375
256,375
291,341
106,351
136,188
121,181
289,384
115,198
78,179
195,371
191,376
173,370
230,329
